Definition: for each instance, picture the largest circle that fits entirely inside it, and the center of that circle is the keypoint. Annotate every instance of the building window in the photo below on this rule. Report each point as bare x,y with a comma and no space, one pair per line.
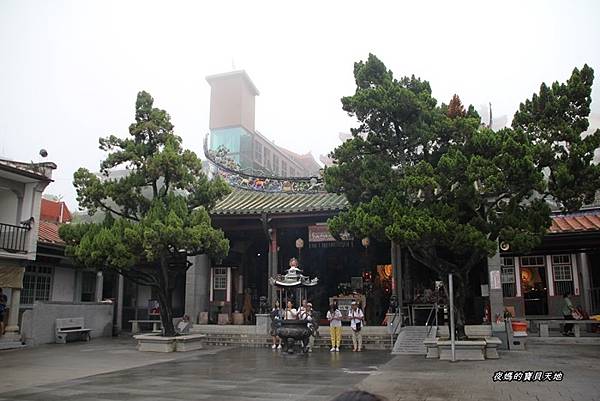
532,261
508,277
258,152
220,278
88,287
267,158
562,273
275,164
37,283
284,169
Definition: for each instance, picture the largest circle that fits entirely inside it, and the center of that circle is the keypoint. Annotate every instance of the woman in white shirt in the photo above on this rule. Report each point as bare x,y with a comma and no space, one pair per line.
290,312
357,317
335,327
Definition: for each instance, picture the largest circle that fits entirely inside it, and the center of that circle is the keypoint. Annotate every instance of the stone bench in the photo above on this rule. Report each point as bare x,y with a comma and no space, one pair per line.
475,332
543,324
484,332
73,326
135,325
471,350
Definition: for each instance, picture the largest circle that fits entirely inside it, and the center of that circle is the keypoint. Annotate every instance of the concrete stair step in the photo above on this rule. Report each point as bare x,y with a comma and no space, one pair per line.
4,345
410,341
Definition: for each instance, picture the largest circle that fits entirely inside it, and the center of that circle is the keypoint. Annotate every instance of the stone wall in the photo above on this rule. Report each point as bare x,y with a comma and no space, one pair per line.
38,324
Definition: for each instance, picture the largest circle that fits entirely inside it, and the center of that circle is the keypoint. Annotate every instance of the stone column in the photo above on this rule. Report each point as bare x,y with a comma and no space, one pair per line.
272,260
99,286
120,285
197,280
582,262
496,294
13,314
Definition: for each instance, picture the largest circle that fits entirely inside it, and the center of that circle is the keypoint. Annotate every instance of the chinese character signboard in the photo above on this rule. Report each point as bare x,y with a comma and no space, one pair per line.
495,283
320,233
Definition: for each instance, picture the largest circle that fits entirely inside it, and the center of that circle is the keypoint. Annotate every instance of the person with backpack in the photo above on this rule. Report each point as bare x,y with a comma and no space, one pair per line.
357,318
276,317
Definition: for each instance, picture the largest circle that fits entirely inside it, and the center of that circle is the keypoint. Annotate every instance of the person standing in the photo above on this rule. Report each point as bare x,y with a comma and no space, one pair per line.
3,302
335,327
276,316
184,326
290,312
567,311
306,313
357,318
303,306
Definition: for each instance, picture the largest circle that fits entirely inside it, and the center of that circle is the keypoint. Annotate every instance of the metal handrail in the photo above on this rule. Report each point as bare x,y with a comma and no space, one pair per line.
13,238
395,327
434,308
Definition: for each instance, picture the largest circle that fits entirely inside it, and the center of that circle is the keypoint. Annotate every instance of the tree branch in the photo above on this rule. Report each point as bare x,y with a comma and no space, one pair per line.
139,277
110,209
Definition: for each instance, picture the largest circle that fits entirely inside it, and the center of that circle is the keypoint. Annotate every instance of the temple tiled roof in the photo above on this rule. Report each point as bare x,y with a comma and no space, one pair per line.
576,222
245,202
48,233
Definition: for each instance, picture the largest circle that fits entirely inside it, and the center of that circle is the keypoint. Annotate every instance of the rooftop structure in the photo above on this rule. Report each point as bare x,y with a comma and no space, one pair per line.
232,127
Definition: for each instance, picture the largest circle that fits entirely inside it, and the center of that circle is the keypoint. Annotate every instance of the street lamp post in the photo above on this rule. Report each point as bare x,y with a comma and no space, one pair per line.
452,339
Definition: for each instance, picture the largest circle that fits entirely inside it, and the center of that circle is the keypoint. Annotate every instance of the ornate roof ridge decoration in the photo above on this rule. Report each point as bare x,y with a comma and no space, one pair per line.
231,172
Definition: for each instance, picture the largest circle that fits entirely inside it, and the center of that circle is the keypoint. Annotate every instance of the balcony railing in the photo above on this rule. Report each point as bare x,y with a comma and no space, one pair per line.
13,239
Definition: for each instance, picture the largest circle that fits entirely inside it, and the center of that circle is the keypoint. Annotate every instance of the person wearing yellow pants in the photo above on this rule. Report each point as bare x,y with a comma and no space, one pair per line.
335,327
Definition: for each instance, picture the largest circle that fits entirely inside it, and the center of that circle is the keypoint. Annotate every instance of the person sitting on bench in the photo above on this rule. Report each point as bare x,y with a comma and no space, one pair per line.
184,325
567,311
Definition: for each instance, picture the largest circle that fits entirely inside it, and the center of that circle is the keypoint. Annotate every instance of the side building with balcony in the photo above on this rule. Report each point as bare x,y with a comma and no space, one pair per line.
21,188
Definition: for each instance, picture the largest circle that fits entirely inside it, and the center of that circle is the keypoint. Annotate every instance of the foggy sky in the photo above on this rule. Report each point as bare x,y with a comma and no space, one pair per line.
70,71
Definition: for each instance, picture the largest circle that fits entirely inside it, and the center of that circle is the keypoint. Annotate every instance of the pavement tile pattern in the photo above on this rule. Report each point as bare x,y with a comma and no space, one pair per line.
113,370
234,374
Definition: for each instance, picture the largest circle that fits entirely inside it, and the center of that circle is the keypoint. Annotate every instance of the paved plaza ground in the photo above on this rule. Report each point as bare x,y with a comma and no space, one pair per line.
111,369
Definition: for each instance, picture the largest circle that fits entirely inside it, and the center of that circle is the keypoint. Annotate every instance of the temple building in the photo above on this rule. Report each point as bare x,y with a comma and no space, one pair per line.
273,215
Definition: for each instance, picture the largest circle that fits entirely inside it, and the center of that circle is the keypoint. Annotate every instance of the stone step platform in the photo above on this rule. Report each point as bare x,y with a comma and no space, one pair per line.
11,341
410,341
213,339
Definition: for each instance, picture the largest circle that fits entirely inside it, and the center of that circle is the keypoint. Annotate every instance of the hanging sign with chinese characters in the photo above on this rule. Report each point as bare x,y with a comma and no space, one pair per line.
320,233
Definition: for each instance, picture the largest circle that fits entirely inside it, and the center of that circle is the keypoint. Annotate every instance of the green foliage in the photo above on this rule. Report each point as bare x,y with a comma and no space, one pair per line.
435,180
156,210
555,120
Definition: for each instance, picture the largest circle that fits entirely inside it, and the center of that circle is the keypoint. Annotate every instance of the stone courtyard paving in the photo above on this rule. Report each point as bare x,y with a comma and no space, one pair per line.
414,378
112,370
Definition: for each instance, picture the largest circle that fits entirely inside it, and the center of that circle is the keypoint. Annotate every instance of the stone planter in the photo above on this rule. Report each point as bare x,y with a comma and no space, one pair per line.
238,318
263,323
463,350
156,343
223,319
203,318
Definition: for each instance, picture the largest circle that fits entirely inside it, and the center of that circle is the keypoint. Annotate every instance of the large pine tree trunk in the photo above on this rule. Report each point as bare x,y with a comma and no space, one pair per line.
166,312
165,296
460,297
